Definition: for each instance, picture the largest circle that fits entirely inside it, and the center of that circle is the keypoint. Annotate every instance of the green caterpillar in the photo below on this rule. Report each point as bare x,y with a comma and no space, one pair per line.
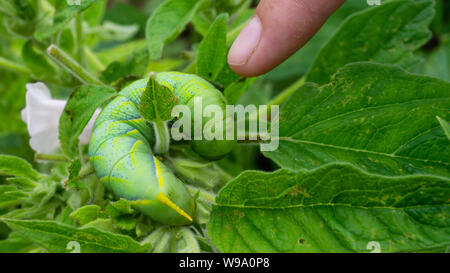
120,149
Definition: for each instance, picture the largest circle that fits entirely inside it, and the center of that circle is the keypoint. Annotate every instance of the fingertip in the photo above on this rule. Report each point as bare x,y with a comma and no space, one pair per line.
244,46
278,29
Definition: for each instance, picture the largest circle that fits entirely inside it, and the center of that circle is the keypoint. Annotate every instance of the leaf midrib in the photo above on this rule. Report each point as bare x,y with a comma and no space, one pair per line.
290,139
334,205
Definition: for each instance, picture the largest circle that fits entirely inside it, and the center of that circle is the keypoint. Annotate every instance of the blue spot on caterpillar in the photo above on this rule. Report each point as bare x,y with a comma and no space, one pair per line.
120,150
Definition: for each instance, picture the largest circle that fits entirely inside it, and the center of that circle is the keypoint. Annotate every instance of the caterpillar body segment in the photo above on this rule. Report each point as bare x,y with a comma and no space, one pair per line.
120,150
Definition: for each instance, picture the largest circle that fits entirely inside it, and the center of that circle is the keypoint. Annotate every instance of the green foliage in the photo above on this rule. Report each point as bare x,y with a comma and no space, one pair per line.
363,153
15,244
445,126
63,14
335,208
437,64
15,166
77,113
386,34
74,168
37,62
212,53
20,16
56,237
87,214
377,117
167,22
157,101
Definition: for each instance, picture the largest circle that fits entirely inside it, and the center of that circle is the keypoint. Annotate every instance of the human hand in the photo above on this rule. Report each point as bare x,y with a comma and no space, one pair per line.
278,29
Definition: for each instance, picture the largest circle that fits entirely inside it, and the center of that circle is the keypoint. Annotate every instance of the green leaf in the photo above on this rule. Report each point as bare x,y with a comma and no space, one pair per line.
87,214
16,166
125,222
157,101
77,113
201,23
63,14
36,61
335,208
135,65
212,53
55,237
34,212
21,182
74,168
94,15
167,22
7,200
122,52
110,31
15,244
121,207
438,63
389,34
104,225
20,16
227,76
67,41
375,116
445,126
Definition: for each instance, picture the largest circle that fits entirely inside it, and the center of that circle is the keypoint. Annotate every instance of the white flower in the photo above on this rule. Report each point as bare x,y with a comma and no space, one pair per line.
41,114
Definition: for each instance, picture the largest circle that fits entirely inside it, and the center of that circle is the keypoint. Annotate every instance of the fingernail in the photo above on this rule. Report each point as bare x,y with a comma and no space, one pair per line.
246,43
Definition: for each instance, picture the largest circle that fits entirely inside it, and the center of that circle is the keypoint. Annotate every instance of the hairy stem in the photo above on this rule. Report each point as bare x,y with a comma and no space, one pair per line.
93,59
49,157
162,137
63,59
82,175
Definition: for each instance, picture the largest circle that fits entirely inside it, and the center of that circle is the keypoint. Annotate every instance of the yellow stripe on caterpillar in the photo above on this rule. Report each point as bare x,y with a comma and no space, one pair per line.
142,202
133,160
166,201
158,172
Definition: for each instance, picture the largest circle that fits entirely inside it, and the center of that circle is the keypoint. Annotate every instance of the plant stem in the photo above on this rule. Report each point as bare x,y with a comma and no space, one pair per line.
162,137
10,65
286,93
84,173
93,59
63,59
48,157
